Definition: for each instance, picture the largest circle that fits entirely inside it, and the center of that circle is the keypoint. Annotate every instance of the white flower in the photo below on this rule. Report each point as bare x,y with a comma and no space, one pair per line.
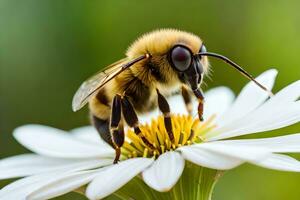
65,161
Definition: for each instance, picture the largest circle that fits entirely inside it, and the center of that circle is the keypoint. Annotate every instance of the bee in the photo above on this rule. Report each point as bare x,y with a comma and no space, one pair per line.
156,65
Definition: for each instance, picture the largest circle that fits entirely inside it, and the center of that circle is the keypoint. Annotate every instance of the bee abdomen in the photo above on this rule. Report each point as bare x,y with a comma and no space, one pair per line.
100,105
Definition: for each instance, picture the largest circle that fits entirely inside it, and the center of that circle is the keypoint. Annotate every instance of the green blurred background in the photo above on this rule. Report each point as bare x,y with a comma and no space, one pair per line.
47,48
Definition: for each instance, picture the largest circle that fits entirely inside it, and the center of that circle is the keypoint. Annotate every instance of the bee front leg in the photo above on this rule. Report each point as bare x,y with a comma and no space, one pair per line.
187,99
199,95
164,107
131,119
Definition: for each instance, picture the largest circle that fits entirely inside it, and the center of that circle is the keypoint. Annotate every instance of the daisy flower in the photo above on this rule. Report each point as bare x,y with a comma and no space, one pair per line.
188,168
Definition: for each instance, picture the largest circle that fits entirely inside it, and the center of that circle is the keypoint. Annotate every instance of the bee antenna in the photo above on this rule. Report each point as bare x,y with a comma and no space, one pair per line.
237,67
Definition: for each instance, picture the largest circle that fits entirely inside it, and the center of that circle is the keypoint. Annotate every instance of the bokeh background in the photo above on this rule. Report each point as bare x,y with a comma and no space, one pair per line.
47,48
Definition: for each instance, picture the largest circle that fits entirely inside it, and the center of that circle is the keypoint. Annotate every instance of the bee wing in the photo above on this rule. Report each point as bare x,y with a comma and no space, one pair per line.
94,83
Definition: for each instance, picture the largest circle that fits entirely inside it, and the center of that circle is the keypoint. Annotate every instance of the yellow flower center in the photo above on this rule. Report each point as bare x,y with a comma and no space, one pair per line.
186,131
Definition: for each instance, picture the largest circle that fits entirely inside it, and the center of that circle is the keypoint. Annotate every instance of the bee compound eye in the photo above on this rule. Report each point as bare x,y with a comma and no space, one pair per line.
181,58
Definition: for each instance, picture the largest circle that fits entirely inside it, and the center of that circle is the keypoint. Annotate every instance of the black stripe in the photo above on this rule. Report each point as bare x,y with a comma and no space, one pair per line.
102,98
137,91
156,72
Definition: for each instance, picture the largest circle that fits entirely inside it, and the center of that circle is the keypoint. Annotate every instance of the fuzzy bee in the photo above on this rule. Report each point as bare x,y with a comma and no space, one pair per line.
156,65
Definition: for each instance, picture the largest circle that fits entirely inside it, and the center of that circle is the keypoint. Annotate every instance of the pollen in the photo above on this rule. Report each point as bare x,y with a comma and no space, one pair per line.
185,128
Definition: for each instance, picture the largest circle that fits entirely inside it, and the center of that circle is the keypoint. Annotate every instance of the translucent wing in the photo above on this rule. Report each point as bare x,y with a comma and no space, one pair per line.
93,84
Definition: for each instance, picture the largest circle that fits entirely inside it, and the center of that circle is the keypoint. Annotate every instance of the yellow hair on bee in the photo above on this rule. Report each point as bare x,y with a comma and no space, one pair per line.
99,109
160,41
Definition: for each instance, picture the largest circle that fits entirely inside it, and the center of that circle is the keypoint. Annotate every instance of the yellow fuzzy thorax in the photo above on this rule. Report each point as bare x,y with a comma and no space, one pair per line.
160,41
186,131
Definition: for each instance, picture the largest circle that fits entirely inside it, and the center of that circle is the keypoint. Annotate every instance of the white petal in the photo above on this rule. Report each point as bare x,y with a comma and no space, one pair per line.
29,164
271,115
250,97
21,188
260,120
89,134
279,162
217,101
113,178
210,159
177,106
164,172
147,117
57,182
282,144
279,117
290,93
57,143
62,185
222,156
246,153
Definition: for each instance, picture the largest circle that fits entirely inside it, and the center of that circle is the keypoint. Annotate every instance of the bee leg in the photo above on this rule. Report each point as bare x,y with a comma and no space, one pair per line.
187,99
116,128
131,119
199,95
164,107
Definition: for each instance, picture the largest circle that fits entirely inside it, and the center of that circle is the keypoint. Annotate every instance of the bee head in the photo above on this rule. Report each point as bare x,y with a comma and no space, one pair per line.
187,64
190,66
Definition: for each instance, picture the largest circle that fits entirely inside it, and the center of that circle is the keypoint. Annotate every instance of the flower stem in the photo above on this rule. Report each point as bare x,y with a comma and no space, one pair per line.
196,183
81,190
